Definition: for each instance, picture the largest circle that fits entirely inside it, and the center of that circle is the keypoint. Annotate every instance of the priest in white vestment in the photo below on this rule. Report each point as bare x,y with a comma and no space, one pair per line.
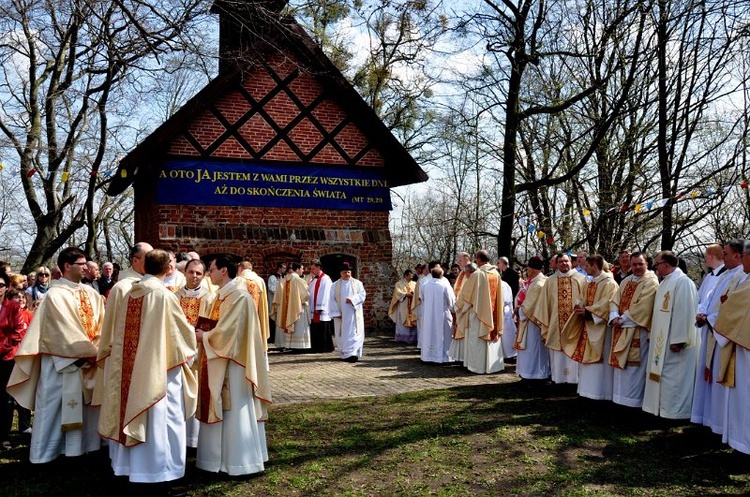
589,345
400,309
152,349
481,297
438,317
115,299
733,327
55,368
233,388
290,311
562,292
709,396
630,313
533,357
196,300
673,351
347,296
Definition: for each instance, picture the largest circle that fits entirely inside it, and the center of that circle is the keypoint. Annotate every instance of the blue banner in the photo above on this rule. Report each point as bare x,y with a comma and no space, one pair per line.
279,185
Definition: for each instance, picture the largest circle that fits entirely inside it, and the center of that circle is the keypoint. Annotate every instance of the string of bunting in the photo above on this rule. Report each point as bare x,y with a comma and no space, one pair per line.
530,223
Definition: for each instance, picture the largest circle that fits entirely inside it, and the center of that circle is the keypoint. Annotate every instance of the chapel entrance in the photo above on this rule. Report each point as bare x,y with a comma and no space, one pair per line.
332,264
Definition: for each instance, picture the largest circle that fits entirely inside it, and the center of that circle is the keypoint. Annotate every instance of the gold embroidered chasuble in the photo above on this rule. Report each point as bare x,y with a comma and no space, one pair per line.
583,339
195,304
531,308
560,296
634,300
256,287
67,324
152,337
237,337
288,301
115,301
400,307
733,323
482,294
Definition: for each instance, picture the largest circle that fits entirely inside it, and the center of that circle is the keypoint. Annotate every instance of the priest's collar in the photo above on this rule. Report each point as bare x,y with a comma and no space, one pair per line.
715,271
229,287
192,292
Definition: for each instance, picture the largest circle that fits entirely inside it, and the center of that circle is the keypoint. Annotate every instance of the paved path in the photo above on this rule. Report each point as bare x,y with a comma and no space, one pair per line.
386,368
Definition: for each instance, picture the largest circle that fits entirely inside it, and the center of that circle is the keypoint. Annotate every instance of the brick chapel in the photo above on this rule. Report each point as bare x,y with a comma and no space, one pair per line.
276,159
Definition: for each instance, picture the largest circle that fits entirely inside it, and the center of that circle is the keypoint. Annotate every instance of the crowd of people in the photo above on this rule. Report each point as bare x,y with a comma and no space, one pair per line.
171,353
639,334
165,355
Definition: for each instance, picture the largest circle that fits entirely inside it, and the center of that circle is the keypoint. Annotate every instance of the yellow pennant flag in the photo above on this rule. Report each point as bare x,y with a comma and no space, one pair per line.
1,166
124,173
638,208
540,234
694,194
65,176
586,212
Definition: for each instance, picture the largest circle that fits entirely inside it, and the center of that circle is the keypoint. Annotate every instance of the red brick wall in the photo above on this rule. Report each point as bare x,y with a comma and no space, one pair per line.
254,232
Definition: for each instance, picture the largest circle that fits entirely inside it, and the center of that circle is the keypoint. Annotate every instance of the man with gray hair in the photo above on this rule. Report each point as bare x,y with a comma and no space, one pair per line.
106,281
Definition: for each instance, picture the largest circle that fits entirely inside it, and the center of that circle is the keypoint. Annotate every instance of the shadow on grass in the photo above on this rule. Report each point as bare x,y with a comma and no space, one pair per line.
562,442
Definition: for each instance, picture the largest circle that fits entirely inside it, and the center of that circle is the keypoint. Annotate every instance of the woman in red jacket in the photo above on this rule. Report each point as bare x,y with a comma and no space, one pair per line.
13,327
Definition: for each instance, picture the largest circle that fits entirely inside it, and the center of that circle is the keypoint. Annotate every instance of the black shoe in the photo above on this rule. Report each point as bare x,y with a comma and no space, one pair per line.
352,359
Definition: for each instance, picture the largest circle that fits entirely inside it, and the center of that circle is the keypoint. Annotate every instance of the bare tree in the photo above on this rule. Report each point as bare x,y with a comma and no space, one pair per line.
65,67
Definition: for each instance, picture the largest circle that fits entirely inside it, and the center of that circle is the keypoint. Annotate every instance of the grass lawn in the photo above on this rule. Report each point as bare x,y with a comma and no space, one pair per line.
511,439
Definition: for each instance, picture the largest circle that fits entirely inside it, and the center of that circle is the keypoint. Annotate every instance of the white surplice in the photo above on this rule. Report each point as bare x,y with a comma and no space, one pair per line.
48,440
348,317
438,302
162,457
709,398
227,450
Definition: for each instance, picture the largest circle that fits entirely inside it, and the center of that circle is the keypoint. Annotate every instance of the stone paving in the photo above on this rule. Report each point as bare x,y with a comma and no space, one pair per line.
386,368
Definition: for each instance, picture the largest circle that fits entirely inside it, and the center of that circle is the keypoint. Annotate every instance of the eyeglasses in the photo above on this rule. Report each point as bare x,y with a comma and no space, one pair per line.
79,264
46,275
656,264
2,285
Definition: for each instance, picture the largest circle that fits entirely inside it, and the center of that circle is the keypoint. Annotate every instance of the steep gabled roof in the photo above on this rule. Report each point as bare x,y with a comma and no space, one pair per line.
399,167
